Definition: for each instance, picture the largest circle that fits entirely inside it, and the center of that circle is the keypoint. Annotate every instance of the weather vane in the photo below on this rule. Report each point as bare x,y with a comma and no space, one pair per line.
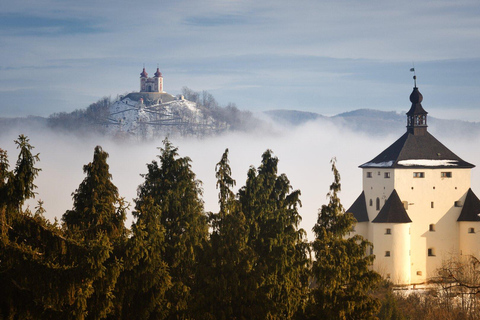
414,75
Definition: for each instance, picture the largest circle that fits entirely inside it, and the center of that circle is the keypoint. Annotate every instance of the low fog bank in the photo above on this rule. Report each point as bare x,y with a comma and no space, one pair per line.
304,154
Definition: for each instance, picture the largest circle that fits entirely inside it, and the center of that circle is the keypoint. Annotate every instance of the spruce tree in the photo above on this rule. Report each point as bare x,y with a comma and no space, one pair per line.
175,191
97,206
222,291
98,216
43,274
344,281
145,279
278,280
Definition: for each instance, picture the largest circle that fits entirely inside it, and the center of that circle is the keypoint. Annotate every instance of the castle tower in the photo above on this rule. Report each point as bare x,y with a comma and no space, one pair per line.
412,205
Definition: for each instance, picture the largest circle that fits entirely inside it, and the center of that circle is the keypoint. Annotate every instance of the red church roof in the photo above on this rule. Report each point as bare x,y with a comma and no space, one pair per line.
144,73
158,74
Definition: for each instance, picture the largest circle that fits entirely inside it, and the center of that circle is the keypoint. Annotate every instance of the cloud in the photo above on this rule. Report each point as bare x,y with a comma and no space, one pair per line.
324,56
26,24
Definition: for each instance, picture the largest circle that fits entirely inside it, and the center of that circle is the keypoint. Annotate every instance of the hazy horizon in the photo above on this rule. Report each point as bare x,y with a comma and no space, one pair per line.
304,154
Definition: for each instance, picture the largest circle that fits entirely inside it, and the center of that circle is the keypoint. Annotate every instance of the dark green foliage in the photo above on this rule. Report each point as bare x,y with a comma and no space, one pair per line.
176,193
142,286
17,186
222,290
341,269
277,282
97,207
43,274
98,214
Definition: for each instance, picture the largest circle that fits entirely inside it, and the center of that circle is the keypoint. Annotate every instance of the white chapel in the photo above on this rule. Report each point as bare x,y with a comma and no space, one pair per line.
417,207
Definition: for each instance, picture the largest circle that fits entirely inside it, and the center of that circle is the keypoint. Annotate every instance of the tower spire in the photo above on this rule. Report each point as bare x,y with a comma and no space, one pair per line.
416,116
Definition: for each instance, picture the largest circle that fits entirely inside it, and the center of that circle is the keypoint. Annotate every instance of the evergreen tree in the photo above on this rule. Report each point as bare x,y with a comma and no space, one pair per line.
17,186
277,282
97,206
43,274
145,280
341,269
222,290
98,214
177,194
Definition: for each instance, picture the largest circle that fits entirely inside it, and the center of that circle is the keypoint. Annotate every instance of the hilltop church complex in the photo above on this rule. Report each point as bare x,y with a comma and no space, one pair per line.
417,207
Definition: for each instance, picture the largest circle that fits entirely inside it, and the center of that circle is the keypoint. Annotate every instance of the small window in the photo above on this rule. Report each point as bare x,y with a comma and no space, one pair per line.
431,252
419,273
369,174
388,231
431,205
471,230
387,253
371,202
377,204
431,227
419,174
458,204
405,205
386,175
378,173
446,175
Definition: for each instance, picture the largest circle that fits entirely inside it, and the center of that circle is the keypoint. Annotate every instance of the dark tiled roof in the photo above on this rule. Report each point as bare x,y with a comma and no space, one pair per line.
393,211
471,208
416,147
359,208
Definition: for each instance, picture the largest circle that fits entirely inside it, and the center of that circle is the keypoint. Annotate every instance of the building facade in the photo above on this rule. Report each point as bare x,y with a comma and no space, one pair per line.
416,207
154,84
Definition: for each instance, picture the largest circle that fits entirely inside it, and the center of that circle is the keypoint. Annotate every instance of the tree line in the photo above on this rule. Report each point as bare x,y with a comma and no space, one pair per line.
249,260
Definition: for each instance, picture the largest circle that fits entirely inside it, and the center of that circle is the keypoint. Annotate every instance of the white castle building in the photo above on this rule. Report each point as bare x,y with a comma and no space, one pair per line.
417,207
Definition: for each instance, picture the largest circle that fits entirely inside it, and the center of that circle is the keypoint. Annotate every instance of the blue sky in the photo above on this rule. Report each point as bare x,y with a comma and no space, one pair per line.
320,56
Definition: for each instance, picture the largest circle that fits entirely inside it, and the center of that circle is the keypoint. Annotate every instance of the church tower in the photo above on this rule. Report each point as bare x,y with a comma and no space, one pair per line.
417,207
154,84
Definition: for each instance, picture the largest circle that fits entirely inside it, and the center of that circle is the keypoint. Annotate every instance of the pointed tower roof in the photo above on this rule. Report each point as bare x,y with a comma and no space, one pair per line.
359,208
158,74
471,208
417,148
393,211
144,73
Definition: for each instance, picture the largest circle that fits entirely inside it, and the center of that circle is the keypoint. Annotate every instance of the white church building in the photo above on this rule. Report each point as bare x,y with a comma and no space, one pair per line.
417,207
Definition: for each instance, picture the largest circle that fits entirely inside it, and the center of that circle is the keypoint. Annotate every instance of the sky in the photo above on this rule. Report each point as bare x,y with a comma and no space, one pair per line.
324,56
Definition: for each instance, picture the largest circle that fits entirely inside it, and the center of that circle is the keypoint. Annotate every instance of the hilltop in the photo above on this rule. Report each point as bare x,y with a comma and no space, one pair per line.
147,115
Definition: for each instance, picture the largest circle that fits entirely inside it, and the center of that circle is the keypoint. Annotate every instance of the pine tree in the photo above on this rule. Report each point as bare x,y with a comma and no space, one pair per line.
277,280
341,269
98,216
177,194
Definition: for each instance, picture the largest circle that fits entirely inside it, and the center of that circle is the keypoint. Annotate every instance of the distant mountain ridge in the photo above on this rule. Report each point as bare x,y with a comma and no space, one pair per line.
368,121
373,122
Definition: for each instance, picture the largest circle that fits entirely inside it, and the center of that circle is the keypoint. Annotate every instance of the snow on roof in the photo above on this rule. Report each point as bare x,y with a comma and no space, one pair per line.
428,163
379,164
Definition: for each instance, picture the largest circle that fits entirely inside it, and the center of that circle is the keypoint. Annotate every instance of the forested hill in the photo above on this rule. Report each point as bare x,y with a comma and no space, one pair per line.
134,116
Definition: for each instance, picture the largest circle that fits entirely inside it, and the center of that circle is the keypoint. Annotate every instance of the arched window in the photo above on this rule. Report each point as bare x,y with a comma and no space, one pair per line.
378,204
